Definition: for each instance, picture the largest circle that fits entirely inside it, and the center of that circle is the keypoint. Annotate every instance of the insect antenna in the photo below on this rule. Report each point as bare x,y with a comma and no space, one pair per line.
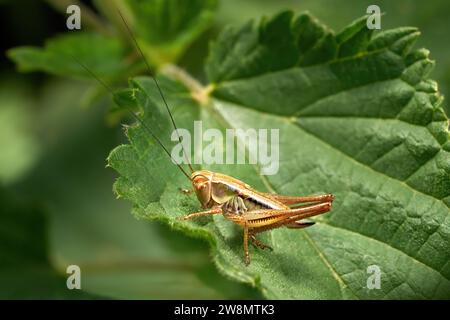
157,86
143,124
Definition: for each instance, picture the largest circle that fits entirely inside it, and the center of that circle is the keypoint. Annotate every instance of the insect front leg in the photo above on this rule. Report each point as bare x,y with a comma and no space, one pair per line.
215,210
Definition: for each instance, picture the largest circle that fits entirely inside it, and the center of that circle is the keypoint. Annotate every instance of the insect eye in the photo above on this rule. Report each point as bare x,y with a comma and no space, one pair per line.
201,186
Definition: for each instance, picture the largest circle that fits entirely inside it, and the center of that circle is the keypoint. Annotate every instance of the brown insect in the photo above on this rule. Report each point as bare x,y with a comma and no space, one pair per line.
253,210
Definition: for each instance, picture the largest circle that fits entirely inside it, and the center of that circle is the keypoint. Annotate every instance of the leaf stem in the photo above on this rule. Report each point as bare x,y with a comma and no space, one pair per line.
198,91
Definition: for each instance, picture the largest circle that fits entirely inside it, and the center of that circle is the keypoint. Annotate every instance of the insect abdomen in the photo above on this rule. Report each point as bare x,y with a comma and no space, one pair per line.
239,205
235,205
251,204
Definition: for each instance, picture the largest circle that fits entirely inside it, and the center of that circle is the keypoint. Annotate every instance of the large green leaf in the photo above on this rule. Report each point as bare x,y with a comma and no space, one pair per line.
357,116
429,17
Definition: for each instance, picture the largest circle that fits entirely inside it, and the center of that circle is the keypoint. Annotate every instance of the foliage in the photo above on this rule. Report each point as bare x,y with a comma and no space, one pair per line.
357,117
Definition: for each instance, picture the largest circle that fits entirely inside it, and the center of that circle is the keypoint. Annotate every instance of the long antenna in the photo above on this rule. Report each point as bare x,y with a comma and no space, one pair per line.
157,85
132,113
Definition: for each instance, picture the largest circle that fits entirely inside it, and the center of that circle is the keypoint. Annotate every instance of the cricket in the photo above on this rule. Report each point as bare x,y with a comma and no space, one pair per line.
236,201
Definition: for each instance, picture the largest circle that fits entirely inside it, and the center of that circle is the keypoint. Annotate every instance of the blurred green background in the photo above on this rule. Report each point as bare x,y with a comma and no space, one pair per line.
52,163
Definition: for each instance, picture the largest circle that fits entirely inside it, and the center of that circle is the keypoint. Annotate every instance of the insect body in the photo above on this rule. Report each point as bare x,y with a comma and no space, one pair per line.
253,210
218,193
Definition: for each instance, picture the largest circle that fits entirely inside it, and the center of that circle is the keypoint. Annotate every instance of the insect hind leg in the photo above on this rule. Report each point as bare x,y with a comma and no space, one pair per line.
294,200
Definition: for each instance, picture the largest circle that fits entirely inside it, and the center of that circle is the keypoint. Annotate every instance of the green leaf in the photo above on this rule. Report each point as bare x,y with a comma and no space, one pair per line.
25,269
62,55
170,25
357,116
163,28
